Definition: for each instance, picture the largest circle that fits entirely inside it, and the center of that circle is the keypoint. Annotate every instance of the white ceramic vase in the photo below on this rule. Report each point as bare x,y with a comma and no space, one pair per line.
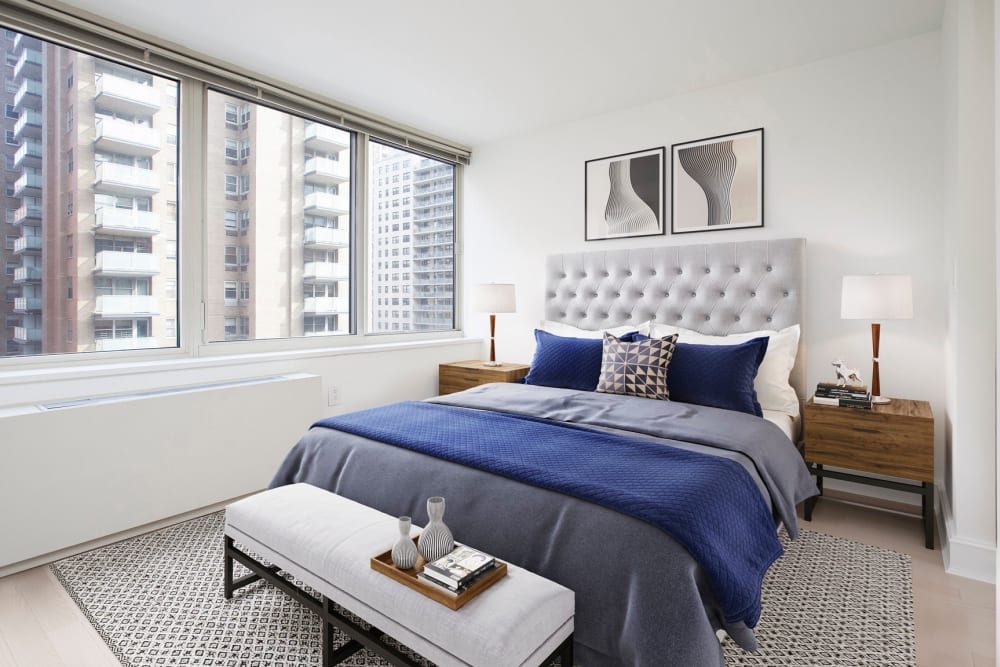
404,552
436,540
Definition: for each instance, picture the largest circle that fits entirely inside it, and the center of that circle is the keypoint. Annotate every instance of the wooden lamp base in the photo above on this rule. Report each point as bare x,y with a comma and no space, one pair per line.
877,398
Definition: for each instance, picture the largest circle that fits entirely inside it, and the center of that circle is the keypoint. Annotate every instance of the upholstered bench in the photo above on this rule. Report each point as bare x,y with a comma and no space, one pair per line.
327,541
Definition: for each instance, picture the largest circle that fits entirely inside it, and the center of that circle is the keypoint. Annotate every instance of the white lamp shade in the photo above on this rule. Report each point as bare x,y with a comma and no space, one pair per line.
877,297
494,298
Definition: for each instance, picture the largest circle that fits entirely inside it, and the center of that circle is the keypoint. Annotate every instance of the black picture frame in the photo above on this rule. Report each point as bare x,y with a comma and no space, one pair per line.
624,195
717,183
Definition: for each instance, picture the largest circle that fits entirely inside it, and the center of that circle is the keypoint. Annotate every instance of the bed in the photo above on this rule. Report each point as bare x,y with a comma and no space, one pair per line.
517,462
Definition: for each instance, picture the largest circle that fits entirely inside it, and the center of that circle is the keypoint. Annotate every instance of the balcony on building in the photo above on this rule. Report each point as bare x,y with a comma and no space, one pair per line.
325,305
428,172
27,274
29,64
28,125
435,252
31,243
326,204
433,221
130,97
27,213
117,263
325,237
126,222
27,304
126,305
327,171
120,136
126,179
22,41
325,138
115,344
29,154
29,185
29,95
325,272
28,334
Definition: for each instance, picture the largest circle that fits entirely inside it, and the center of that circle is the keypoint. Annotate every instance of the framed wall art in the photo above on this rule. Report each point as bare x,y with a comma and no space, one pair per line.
718,183
624,195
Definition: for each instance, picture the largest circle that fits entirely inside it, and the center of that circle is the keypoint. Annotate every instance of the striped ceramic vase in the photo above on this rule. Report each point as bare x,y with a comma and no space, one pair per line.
436,540
404,552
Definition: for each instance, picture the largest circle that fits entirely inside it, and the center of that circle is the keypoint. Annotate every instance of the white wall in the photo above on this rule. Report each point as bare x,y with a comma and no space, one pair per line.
110,477
970,344
853,162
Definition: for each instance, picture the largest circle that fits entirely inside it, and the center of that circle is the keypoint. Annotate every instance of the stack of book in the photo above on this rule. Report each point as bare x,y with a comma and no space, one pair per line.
459,569
846,396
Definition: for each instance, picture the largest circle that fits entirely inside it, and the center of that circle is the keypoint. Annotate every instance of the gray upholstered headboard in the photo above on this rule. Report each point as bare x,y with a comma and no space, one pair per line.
714,288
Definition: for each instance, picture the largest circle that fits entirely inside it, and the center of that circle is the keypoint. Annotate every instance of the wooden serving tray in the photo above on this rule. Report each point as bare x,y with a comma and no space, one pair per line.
383,563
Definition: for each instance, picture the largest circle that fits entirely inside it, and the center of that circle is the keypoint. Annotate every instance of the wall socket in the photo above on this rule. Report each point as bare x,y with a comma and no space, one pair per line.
333,396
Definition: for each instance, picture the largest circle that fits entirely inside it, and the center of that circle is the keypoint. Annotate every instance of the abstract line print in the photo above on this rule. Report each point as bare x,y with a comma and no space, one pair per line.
627,211
624,195
713,166
718,183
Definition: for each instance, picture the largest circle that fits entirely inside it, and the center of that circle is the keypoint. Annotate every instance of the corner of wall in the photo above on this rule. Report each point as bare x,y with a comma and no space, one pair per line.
964,557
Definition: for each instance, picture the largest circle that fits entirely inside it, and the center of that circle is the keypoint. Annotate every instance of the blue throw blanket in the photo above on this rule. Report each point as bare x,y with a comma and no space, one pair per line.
708,504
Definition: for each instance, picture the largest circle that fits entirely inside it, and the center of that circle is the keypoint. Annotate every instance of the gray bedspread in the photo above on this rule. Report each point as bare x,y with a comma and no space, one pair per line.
641,599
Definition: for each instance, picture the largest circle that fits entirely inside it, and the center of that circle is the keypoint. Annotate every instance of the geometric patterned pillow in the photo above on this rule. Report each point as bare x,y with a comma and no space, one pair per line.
636,368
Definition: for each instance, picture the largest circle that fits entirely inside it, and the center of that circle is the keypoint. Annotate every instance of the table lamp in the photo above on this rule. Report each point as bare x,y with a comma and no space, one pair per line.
494,298
876,297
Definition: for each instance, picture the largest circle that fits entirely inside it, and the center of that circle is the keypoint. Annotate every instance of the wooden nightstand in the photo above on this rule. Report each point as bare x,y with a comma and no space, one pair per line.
895,439
460,375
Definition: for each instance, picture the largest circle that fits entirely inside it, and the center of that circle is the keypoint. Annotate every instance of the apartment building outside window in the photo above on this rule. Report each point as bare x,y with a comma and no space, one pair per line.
92,155
101,194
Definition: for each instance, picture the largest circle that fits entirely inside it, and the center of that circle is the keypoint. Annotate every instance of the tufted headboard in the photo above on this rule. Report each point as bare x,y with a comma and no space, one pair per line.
714,288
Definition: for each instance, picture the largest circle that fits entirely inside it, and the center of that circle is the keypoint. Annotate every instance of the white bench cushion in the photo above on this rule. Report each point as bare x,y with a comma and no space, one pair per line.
327,541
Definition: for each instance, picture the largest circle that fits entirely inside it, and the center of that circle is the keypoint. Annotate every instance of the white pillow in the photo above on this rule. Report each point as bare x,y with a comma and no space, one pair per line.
560,329
771,384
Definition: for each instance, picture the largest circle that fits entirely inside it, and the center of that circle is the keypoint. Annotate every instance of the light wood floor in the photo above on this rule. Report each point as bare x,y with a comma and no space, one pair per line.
40,626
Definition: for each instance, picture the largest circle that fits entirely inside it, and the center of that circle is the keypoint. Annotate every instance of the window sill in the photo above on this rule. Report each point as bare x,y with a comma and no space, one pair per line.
120,368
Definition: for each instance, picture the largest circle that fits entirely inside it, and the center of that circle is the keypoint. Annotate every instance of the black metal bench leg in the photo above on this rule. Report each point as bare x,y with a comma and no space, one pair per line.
227,568
928,513
566,654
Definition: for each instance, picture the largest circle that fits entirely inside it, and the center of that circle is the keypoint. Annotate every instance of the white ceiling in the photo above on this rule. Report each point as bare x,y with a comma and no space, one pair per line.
474,71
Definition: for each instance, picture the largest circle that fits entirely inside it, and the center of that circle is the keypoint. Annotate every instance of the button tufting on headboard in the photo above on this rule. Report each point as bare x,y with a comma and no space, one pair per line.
619,287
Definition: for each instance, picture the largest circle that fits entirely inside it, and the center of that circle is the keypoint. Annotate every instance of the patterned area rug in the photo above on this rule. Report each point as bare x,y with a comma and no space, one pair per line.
157,600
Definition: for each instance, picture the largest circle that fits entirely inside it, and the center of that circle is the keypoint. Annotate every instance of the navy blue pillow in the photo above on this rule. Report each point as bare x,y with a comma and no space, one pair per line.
719,376
570,363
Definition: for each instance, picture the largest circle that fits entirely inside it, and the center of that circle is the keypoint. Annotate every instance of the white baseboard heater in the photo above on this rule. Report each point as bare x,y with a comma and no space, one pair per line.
75,471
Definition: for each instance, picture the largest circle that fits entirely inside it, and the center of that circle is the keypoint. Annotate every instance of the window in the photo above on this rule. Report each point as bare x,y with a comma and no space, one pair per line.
428,244
120,200
284,306
229,292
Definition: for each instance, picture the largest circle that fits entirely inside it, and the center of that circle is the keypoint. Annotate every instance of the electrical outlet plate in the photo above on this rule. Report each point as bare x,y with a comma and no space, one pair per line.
333,396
